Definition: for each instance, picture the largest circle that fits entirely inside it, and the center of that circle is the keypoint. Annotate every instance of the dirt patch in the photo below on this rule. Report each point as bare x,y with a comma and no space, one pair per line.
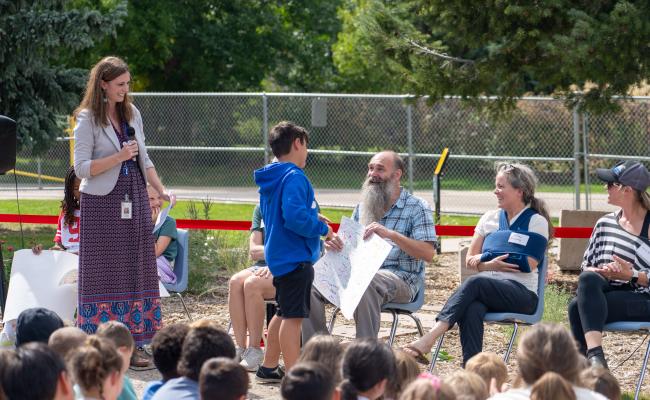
442,280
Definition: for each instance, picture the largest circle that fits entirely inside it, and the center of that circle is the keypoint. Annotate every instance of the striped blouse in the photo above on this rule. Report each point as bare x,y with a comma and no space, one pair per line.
610,238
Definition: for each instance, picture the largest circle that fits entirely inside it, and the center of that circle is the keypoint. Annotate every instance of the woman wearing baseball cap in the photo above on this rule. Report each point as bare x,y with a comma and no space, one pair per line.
614,284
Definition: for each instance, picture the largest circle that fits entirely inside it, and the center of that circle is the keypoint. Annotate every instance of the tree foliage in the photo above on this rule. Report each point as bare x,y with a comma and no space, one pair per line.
223,45
584,51
36,84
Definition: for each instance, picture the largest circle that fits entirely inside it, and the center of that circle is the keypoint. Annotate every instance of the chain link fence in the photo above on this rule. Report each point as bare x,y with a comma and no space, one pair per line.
214,141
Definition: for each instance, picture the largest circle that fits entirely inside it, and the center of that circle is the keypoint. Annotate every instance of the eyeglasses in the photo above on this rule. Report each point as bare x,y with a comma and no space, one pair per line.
613,184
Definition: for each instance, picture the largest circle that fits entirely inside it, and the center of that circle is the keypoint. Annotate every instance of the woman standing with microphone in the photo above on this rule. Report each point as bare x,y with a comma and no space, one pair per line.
117,264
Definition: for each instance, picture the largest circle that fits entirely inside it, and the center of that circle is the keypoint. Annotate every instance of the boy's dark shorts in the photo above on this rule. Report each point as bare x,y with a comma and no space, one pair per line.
293,292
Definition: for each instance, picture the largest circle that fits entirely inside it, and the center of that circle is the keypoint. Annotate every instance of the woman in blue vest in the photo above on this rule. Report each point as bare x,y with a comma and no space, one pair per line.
522,224
614,284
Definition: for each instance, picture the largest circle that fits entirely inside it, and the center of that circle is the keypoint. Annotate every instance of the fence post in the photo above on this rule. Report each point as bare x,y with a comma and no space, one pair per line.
576,157
585,149
39,171
265,127
409,141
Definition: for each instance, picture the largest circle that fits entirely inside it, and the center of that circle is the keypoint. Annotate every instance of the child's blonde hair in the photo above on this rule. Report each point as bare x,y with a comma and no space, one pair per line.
602,381
406,370
427,387
488,365
468,385
552,386
327,350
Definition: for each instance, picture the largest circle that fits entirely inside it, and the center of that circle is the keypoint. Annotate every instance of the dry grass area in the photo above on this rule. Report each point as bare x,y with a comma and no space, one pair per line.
442,280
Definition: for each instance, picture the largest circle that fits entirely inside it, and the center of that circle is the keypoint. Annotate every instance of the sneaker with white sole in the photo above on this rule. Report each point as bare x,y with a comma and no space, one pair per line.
269,375
252,359
239,353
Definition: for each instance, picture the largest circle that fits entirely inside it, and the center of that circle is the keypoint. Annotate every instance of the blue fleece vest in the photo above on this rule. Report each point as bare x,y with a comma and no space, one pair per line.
516,241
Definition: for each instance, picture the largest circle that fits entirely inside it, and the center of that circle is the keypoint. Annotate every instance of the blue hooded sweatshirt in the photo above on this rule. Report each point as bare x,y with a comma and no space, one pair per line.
292,228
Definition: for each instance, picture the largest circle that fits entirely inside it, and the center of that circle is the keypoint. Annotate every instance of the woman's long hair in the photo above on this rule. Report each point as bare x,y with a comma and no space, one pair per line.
107,69
69,203
521,176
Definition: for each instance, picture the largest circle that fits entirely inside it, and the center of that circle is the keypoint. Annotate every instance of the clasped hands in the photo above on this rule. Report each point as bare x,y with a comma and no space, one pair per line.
495,264
336,244
618,270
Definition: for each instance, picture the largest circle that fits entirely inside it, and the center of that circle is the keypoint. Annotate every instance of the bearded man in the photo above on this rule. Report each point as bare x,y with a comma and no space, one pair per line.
402,219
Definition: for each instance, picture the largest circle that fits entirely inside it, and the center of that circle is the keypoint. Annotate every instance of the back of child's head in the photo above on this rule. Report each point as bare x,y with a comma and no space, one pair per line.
223,378
201,344
552,386
36,325
95,360
427,387
327,350
117,333
283,135
600,380
547,347
488,366
366,363
66,339
31,372
467,385
166,347
406,370
308,380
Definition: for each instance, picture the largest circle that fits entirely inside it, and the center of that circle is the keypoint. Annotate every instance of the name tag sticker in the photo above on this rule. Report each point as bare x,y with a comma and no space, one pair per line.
518,238
643,253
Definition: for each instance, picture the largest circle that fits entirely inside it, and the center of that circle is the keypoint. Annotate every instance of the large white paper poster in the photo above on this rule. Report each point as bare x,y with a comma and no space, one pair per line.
46,280
342,277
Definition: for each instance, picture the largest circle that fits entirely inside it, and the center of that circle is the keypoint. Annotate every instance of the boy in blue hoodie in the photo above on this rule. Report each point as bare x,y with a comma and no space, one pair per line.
292,243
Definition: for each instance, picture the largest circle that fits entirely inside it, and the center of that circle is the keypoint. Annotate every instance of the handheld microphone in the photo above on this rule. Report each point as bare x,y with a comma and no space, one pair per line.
130,133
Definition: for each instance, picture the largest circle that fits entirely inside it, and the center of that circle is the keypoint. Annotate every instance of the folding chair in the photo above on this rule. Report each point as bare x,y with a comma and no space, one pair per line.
397,309
508,318
633,327
181,268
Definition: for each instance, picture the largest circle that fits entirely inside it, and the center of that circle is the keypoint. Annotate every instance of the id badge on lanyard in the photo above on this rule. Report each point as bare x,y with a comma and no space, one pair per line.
127,208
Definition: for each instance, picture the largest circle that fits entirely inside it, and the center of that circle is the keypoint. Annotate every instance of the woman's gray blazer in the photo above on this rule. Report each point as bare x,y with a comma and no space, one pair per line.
93,141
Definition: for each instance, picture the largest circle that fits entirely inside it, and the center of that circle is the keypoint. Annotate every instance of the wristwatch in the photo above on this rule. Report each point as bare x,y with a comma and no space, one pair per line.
635,276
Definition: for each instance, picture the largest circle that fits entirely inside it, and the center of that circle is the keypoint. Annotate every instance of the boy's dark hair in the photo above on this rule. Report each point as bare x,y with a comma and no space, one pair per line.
308,380
28,362
201,344
366,362
117,333
36,325
223,378
166,347
283,135
69,204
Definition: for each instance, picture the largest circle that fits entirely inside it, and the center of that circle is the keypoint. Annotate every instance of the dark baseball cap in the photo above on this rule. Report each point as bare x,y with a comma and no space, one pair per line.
628,173
36,325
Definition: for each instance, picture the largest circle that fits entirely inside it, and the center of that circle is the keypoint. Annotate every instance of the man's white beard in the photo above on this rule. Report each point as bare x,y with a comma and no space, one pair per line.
375,200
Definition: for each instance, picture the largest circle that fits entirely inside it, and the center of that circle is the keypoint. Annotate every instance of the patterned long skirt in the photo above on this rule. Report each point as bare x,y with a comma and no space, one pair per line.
117,263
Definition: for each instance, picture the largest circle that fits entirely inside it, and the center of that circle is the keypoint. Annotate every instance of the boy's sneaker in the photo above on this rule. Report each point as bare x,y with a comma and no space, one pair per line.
239,353
252,359
269,375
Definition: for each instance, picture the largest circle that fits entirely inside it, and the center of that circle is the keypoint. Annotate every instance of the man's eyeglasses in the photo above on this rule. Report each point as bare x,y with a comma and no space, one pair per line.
613,184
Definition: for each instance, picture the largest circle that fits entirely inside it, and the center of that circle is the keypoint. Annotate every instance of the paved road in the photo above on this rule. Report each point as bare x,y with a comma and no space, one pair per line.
453,201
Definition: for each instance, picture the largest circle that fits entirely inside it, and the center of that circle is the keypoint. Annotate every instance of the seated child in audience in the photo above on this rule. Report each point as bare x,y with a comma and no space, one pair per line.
166,237
203,341
166,347
467,385
119,335
36,325
224,379
63,341
490,367
602,381
309,380
406,370
98,370
33,372
367,366
427,387
327,350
